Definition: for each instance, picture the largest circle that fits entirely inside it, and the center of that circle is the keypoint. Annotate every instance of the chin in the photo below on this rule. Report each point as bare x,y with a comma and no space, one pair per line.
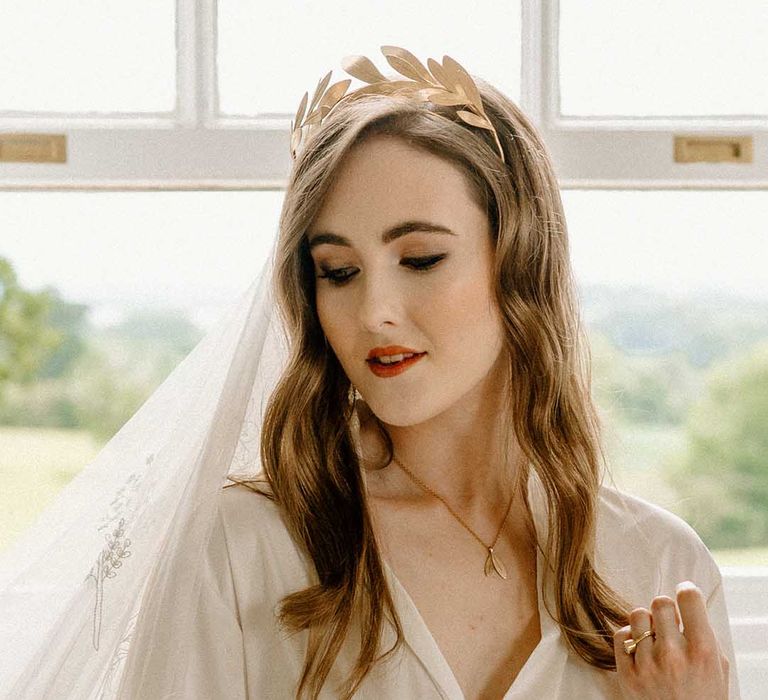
404,411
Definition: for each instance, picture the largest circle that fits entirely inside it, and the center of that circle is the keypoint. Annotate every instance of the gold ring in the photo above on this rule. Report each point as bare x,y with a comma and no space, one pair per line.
631,644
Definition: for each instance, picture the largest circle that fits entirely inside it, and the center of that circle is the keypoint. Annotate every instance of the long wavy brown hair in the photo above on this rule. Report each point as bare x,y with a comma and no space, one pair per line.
308,450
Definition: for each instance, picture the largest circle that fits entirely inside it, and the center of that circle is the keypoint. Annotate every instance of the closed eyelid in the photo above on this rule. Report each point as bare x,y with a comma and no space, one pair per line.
418,264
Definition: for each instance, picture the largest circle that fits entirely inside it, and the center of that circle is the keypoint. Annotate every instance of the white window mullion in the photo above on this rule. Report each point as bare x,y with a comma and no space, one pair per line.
207,53
188,59
533,78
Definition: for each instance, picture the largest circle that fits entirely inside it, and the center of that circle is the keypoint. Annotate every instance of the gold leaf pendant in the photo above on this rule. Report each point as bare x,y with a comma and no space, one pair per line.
493,563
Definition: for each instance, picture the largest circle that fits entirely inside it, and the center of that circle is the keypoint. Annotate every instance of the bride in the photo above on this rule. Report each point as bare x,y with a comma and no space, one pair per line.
418,511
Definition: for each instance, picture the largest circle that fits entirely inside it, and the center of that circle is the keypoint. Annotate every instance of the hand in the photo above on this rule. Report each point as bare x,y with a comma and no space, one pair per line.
672,664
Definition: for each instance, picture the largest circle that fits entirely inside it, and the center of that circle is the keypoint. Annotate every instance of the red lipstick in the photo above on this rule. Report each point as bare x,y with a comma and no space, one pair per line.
390,350
390,370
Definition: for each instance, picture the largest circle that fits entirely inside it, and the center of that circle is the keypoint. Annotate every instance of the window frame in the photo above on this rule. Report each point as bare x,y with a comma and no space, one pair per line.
194,147
623,153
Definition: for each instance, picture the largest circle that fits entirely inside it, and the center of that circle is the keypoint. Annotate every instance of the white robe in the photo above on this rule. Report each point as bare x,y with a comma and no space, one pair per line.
252,562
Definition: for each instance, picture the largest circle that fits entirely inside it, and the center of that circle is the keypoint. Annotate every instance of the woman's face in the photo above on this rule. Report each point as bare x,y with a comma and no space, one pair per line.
446,310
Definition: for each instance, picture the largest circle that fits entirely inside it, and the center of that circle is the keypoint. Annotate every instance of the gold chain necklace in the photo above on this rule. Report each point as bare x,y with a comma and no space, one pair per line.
492,561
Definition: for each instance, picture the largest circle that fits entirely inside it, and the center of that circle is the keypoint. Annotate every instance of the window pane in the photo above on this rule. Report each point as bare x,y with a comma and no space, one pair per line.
93,55
270,55
206,247
675,299
140,277
625,58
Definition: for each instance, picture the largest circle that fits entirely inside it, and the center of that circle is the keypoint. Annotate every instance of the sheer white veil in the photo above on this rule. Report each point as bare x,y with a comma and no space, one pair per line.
81,591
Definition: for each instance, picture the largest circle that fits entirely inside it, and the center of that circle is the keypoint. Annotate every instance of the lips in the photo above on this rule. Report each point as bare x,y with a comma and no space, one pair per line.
395,368
391,350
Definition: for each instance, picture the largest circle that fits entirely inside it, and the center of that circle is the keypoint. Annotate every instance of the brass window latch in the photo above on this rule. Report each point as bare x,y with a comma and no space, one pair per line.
713,149
33,148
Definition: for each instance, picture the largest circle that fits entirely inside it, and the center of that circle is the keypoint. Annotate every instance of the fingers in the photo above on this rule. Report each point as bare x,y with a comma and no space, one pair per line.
669,663
665,621
624,661
693,611
640,622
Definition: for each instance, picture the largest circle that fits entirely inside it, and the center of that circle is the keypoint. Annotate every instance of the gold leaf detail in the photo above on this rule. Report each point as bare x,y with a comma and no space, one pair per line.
302,107
314,118
425,93
452,81
439,73
499,566
448,84
488,565
402,67
319,90
295,141
413,67
474,120
335,93
390,87
465,81
441,97
362,68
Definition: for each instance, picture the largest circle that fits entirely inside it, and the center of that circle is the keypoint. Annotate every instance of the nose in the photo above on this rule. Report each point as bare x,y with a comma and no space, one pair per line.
379,301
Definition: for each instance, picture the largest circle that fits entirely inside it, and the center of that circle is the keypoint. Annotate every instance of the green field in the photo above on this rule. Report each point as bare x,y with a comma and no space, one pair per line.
35,463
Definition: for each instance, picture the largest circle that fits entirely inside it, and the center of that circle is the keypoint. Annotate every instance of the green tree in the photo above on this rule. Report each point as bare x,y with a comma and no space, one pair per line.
103,399
27,338
723,477
71,320
641,388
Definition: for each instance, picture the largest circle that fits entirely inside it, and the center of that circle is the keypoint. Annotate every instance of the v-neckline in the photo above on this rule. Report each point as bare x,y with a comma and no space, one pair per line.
425,647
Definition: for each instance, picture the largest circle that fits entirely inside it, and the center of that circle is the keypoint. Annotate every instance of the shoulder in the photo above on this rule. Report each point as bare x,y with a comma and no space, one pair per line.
644,550
251,508
622,514
258,537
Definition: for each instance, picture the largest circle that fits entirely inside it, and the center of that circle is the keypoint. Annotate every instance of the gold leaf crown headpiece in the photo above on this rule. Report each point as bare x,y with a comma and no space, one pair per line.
443,84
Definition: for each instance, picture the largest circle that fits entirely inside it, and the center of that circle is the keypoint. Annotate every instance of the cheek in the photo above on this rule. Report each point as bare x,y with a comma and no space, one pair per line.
463,312
334,325
328,320
322,313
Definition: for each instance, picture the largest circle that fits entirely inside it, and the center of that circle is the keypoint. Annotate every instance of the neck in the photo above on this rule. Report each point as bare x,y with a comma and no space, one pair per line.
461,458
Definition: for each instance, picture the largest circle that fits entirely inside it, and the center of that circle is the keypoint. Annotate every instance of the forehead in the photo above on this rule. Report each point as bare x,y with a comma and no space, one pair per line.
384,180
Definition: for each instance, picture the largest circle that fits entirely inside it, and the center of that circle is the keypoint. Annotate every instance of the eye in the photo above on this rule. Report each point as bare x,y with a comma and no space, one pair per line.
423,263
334,276
337,277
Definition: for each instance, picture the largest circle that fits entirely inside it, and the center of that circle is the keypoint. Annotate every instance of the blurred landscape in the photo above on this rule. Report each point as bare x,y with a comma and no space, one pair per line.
681,384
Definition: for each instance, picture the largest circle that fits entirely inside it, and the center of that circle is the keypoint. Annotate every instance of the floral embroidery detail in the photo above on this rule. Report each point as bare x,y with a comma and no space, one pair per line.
124,503
109,560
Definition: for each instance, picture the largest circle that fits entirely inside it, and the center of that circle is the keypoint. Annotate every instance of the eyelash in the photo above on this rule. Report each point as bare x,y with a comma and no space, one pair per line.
419,264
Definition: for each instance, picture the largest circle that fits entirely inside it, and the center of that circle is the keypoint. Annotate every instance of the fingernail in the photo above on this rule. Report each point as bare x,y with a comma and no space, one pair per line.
686,586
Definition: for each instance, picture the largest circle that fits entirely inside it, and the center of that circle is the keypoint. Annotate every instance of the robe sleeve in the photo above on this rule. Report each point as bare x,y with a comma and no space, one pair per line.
665,551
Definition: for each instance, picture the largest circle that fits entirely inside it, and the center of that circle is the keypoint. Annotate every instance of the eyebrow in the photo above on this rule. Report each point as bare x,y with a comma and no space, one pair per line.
401,229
